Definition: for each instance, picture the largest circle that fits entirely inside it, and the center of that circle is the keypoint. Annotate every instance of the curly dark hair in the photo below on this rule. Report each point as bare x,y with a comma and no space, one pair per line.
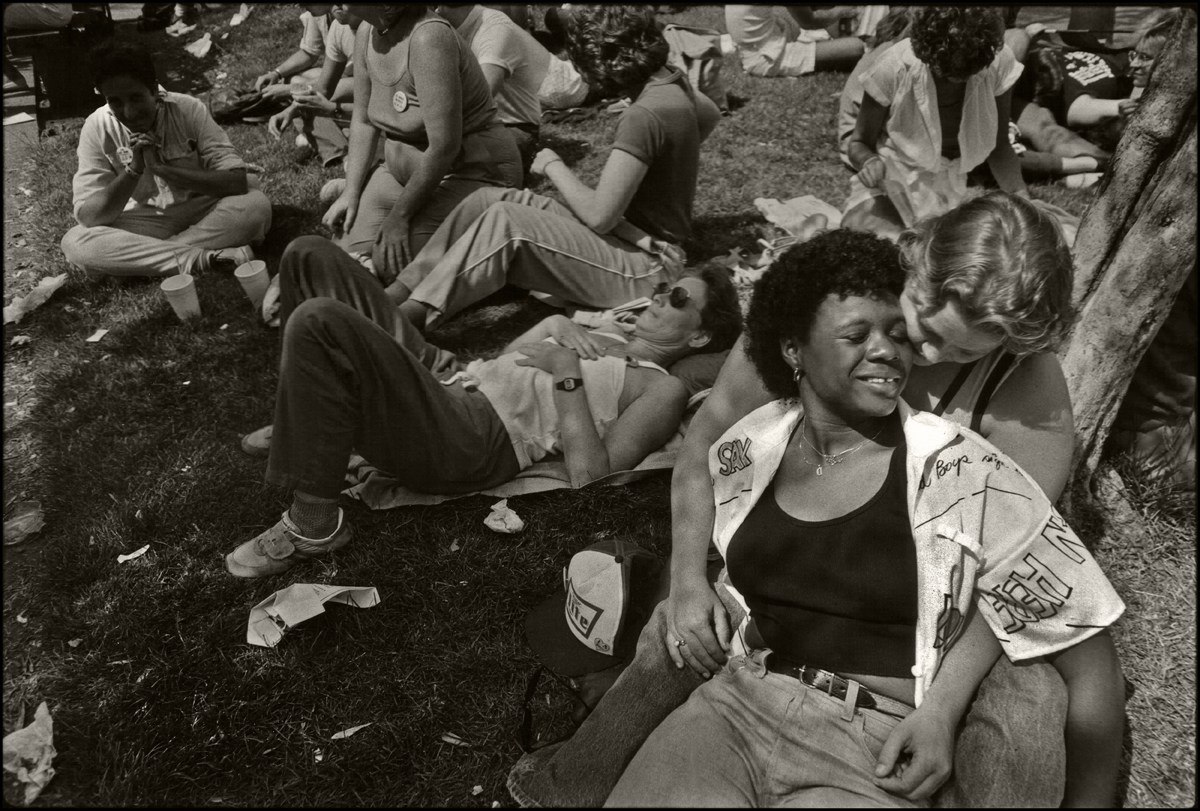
956,41
721,316
615,48
116,57
842,263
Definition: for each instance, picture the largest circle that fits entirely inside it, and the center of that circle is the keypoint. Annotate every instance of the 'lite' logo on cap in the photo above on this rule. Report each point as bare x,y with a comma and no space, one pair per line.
580,613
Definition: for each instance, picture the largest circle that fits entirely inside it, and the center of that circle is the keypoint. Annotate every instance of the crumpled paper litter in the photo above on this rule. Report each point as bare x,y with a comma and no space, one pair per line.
23,305
503,519
793,215
29,751
200,47
27,519
287,608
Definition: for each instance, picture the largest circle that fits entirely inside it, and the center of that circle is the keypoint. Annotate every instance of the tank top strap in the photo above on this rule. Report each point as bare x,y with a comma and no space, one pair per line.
966,398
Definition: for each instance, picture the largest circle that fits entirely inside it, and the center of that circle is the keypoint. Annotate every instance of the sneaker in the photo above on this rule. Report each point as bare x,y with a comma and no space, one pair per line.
282,546
332,191
258,443
227,260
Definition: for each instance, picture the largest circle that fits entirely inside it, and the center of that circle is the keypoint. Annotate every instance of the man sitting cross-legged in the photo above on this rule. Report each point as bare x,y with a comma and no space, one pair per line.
160,189
350,381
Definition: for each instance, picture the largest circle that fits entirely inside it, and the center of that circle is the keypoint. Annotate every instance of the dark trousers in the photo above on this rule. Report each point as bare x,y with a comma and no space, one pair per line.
354,377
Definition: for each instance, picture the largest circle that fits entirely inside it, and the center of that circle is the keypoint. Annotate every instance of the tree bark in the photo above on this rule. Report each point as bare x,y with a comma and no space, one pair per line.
1135,248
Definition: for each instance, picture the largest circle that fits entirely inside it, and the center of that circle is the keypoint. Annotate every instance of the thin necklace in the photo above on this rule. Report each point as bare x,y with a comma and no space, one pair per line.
830,459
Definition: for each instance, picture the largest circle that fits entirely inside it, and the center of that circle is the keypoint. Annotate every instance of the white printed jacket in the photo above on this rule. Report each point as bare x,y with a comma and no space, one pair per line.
982,527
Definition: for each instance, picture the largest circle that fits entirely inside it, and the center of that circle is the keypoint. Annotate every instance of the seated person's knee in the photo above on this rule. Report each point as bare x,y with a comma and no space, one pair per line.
72,245
313,313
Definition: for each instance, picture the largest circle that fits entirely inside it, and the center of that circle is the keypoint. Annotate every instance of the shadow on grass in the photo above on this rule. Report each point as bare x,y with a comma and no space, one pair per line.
716,236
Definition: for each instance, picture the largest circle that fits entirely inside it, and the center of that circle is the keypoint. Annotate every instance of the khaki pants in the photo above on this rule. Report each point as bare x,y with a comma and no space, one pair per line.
513,236
147,241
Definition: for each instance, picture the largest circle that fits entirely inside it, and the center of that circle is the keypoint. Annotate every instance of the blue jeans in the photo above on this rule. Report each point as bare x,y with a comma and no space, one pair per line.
751,738
1010,749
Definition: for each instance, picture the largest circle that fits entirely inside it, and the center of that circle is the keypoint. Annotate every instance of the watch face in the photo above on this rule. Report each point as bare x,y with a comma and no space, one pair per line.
569,384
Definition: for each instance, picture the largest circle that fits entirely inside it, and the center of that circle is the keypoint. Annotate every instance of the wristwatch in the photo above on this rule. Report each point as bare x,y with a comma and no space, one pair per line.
569,384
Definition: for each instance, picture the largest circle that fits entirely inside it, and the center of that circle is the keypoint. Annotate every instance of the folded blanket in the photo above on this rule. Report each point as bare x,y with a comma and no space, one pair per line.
377,489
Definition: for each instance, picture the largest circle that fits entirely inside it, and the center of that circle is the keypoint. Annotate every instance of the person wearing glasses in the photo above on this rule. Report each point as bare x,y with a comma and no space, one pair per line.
356,377
608,244
1096,93
879,556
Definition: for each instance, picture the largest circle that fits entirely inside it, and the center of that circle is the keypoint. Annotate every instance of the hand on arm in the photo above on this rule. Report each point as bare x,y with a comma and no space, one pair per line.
1095,720
435,74
918,756
600,209
694,612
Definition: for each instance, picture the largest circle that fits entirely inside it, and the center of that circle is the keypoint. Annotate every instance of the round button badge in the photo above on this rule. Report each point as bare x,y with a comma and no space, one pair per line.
399,101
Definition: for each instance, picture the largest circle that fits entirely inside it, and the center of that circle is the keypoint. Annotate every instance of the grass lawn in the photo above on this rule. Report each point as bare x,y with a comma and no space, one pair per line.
133,440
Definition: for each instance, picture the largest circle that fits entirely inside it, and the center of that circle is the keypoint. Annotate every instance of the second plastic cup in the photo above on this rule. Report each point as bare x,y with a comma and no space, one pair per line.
180,291
254,279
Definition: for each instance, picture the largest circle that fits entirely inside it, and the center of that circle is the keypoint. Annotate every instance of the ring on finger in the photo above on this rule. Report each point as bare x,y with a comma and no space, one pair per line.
678,643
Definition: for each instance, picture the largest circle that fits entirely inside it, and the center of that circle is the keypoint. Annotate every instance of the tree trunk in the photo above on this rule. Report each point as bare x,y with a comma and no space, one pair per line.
1135,248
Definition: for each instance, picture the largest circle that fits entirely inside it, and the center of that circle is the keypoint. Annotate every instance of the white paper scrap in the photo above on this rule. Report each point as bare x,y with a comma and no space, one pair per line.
475,792
502,519
29,751
97,335
287,608
454,740
19,118
346,733
200,47
23,305
137,553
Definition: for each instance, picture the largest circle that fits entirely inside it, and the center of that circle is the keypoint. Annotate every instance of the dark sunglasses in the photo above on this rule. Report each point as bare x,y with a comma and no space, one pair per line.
677,296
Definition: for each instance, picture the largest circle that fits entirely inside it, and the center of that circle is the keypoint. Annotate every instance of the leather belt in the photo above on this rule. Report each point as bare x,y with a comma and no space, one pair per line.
836,686
826,682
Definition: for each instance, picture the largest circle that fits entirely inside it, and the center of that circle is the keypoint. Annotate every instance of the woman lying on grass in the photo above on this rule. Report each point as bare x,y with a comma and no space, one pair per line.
360,379
985,300
868,544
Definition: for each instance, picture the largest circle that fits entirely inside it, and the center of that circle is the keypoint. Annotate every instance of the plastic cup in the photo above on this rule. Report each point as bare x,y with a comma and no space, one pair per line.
254,279
180,291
